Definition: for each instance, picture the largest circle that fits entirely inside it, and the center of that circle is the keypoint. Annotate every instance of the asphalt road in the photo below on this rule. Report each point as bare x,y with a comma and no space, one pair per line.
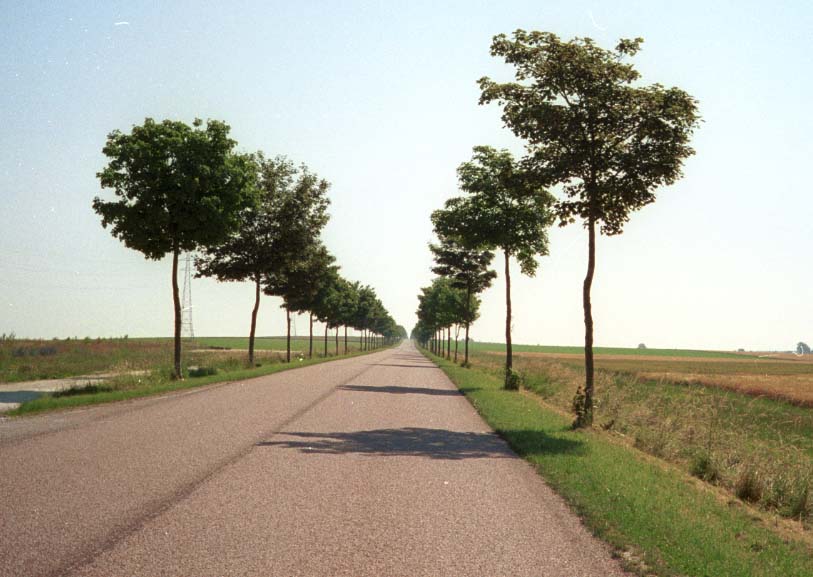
371,466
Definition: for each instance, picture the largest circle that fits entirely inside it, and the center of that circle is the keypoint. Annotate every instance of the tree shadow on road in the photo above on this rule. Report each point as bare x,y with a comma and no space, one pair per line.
415,442
396,390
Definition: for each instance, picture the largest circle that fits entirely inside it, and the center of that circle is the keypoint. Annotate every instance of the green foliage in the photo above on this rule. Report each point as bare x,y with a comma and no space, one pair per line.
275,232
505,208
202,371
467,268
580,409
703,467
306,280
442,305
177,187
513,380
590,126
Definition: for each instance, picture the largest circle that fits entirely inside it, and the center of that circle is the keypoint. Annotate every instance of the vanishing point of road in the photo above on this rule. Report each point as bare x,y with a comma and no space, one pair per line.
369,466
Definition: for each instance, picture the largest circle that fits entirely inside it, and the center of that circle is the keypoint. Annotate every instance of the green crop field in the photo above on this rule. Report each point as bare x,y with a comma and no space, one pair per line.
575,350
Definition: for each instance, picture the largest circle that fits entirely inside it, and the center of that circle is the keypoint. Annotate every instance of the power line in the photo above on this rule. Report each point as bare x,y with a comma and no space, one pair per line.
187,329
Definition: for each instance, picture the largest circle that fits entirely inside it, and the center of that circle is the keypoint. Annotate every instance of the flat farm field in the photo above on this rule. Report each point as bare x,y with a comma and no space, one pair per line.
37,359
741,421
780,376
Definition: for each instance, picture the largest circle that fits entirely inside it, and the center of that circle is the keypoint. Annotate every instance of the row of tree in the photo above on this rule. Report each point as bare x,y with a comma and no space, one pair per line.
250,218
592,132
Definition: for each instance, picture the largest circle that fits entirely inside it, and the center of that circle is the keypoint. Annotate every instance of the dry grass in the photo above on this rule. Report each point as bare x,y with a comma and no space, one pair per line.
787,377
691,412
796,389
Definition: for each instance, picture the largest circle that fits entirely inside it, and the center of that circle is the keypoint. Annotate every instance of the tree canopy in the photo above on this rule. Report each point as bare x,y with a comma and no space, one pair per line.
178,187
505,208
274,233
592,129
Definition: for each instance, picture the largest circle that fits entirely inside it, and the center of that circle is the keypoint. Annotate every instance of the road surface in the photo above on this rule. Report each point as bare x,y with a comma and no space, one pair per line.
370,466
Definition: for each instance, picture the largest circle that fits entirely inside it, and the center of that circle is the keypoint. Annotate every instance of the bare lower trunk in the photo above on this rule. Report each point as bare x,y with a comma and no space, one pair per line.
456,335
326,328
345,339
288,339
253,330
466,355
509,356
586,418
337,340
176,302
310,338
468,315
448,343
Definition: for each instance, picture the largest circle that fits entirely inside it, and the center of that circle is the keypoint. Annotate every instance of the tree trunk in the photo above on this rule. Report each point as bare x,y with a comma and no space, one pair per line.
345,339
586,418
253,330
509,356
337,340
310,338
449,343
176,302
288,339
325,339
468,322
466,356
456,335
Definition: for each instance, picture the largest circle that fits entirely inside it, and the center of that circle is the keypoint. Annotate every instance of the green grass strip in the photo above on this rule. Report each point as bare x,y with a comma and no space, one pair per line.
51,403
655,512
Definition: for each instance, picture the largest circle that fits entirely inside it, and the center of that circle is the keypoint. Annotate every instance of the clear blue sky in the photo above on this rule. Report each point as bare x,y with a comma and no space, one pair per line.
380,98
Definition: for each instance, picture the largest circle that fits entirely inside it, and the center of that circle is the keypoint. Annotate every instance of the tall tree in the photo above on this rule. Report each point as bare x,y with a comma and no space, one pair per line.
273,234
325,307
441,305
505,209
593,129
178,188
302,220
365,307
302,282
346,306
468,270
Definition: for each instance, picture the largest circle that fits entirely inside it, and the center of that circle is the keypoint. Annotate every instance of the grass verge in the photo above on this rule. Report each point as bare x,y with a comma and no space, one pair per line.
658,519
159,383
